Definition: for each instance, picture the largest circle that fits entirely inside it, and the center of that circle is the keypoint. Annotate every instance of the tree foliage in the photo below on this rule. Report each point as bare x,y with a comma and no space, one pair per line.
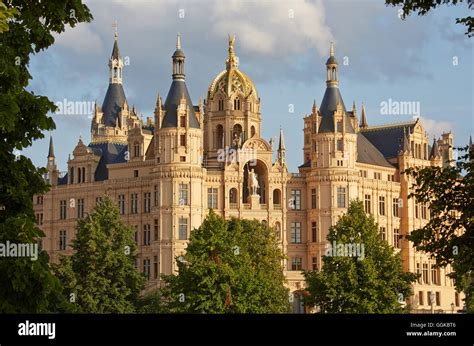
100,277
422,7
229,267
449,233
372,280
26,28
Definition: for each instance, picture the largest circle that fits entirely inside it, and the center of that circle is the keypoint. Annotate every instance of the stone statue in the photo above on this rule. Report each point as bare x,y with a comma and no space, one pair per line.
272,143
253,182
236,140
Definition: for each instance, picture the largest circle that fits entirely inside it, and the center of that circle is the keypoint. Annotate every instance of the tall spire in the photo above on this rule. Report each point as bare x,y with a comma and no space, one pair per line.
406,143
51,148
315,107
115,61
363,119
281,148
434,150
332,68
178,60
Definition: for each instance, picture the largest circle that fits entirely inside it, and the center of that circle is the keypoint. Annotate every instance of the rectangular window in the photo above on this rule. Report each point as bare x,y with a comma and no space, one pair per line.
182,140
182,121
435,277
156,230
134,205
296,263
456,299
146,268
425,274
183,194
183,228
396,238
395,207
438,299
340,145
416,211
341,197
155,267
63,209
314,232
367,204
313,198
315,263
381,205
423,211
420,298
383,233
156,195
146,234
418,271
62,240
146,202
136,234
80,208
212,198
121,203
296,232
296,199
135,173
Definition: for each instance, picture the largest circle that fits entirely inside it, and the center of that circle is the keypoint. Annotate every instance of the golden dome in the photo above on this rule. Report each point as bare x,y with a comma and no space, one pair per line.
232,80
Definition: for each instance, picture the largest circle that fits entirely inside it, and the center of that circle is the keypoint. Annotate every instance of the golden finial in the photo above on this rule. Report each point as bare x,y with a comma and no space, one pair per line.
332,48
231,44
115,26
178,41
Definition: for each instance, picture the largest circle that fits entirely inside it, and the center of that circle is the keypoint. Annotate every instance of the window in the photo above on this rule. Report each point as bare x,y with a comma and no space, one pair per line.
146,234
62,240
341,197
315,263
221,105
418,271
423,211
39,199
134,205
182,159
313,198
378,176
339,145
146,202
98,199
182,121
183,228
363,174
296,263
237,104
156,195
420,298
212,198
314,232
136,149
382,205
395,207
183,194
383,233
438,299
295,200
182,140
155,267
367,204
136,234
62,209
233,197
435,276
146,268
71,175
456,299
296,232
135,173
416,210
80,208
156,230
396,238
425,273
121,203
339,126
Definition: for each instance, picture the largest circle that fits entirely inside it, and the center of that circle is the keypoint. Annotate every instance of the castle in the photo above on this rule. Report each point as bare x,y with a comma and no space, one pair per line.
166,174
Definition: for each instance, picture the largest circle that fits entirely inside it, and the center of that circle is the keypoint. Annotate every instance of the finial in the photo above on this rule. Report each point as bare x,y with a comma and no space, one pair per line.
115,26
178,41
332,48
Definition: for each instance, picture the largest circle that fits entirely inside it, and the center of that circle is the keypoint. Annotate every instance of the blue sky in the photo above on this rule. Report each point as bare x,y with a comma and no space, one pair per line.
282,46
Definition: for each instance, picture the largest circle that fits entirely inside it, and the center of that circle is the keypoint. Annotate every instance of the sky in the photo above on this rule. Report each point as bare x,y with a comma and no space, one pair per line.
282,46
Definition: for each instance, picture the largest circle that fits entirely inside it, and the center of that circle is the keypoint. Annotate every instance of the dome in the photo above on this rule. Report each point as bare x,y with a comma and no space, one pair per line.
178,53
331,60
232,80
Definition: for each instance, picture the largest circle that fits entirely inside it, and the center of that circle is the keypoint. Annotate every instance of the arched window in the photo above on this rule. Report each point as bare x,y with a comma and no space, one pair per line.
333,73
233,196
79,175
136,149
252,131
221,105
83,174
277,198
219,137
115,72
237,103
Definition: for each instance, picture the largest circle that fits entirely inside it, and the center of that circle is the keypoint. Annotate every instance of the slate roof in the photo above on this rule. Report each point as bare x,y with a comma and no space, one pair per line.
368,153
110,153
177,89
115,51
332,97
113,101
388,139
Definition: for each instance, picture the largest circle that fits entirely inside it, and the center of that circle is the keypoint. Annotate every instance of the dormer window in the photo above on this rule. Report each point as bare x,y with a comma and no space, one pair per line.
136,149
182,121
237,104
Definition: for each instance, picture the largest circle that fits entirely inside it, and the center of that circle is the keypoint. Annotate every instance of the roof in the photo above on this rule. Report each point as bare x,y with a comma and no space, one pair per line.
113,102
177,89
328,106
388,139
110,153
115,51
368,153
178,53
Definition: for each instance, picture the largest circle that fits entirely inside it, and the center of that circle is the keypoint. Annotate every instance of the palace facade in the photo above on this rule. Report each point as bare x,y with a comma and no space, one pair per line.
167,172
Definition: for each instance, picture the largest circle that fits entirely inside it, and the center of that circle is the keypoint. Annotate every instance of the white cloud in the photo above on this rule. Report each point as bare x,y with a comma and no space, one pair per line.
81,39
435,127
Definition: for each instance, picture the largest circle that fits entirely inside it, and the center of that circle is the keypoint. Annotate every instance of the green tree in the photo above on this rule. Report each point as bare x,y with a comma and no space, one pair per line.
26,28
422,7
449,233
100,277
367,277
229,267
